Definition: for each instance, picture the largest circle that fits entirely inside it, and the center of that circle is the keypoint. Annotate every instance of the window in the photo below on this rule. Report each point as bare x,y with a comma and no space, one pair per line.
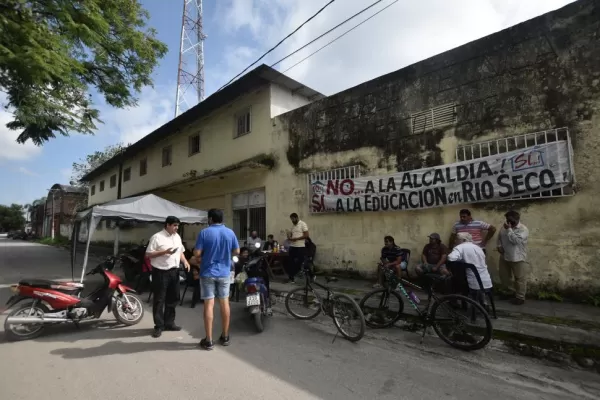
166,156
143,166
194,144
437,117
93,190
102,186
243,123
249,214
504,145
126,174
113,181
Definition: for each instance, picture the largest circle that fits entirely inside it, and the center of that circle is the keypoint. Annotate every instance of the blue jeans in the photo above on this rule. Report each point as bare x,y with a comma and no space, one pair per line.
211,288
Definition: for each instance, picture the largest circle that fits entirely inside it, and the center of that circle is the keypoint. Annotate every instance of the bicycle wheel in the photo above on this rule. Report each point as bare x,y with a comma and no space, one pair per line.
379,309
305,298
458,320
344,310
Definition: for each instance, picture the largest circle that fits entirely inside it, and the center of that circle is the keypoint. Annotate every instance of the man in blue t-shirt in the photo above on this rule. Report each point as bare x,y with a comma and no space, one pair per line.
215,246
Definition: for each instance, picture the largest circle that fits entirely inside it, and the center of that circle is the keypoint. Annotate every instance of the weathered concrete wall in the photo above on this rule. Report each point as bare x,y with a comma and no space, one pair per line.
538,75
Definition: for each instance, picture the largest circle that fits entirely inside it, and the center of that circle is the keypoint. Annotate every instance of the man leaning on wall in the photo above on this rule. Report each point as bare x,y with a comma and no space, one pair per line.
512,246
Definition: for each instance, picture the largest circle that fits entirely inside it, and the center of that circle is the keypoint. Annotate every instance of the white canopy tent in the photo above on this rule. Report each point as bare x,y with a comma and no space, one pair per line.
147,208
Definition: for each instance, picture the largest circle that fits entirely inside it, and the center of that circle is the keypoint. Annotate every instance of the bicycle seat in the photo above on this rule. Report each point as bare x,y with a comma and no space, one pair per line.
330,279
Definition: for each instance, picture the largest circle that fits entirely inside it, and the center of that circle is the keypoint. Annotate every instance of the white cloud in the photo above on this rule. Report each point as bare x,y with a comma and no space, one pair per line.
405,33
10,150
155,107
26,171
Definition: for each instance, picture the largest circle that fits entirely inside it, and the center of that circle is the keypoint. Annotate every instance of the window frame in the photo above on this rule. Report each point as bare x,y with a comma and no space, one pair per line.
170,158
191,138
144,162
101,186
112,182
127,171
245,113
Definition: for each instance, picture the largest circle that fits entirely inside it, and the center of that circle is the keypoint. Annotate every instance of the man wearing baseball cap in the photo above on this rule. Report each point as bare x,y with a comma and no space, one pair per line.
433,257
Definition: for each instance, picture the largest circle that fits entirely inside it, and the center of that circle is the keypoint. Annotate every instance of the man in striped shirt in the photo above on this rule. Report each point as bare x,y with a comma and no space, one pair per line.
481,232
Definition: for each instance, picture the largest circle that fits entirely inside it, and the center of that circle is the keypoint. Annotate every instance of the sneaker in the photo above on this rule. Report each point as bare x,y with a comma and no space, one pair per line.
206,344
517,302
269,311
224,340
290,281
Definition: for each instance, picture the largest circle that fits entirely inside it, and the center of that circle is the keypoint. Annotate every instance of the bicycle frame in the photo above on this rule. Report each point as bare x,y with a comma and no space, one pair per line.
308,285
395,284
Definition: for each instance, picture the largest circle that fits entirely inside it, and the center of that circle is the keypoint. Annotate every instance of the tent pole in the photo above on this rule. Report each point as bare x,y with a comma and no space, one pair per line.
87,251
116,245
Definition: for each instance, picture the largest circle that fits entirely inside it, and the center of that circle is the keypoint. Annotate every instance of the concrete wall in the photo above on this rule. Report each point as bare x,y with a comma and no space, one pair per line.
218,146
283,101
538,75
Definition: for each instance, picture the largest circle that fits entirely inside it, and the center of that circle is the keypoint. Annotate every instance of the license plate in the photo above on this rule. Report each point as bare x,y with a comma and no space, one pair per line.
253,300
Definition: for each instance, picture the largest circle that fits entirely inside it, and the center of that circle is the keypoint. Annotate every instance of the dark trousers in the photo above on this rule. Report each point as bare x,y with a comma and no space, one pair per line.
295,260
166,296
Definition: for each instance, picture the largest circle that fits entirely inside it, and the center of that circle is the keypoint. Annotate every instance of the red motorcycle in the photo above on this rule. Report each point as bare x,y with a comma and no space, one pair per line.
56,302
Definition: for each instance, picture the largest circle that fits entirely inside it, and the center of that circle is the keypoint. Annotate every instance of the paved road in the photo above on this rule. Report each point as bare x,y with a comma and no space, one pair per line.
290,360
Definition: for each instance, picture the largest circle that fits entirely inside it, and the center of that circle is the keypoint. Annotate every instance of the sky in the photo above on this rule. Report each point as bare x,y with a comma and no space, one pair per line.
240,31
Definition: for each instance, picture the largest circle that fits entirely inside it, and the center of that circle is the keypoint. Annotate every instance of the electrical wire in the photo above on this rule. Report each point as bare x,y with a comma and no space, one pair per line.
328,32
340,36
278,44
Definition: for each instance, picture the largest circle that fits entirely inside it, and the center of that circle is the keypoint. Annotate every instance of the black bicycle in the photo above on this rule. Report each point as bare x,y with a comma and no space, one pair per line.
449,320
339,306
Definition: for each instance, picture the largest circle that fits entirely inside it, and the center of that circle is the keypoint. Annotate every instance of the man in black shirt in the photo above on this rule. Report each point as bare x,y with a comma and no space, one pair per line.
392,257
270,244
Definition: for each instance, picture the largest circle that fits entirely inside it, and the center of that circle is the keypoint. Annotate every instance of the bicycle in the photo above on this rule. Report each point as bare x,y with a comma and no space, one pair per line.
429,315
339,306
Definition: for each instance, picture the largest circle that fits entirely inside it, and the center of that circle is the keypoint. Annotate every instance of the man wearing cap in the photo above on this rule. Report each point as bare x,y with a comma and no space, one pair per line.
433,257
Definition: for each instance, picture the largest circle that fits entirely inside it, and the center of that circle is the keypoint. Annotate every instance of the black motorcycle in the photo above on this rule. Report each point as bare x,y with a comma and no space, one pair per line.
132,262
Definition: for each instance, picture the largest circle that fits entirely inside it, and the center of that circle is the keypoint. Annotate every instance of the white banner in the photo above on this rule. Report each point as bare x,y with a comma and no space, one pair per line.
503,176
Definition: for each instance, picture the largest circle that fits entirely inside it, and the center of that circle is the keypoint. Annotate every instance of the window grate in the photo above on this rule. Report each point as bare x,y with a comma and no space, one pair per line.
504,145
243,123
126,174
437,117
350,172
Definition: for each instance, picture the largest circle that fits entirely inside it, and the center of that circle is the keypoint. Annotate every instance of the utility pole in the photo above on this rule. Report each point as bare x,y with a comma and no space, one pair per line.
190,71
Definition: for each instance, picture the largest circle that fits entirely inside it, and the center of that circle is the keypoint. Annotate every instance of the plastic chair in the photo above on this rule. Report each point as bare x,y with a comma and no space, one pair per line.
480,294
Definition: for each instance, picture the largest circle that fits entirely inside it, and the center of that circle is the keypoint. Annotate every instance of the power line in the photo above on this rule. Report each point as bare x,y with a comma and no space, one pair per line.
326,33
340,36
278,44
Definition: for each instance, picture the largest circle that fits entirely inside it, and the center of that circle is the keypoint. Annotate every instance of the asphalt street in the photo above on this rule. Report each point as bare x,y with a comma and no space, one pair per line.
289,360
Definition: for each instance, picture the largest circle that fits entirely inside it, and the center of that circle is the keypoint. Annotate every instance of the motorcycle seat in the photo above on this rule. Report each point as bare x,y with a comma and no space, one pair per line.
67,287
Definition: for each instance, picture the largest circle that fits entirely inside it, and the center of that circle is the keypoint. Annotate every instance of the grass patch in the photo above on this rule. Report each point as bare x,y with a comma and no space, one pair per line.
56,241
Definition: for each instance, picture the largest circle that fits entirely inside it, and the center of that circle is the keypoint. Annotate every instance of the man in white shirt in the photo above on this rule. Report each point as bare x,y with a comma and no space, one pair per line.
252,240
512,246
297,251
165,251
468,252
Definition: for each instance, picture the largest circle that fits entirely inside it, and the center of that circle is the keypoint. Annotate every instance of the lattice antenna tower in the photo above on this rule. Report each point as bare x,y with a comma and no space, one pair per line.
190,74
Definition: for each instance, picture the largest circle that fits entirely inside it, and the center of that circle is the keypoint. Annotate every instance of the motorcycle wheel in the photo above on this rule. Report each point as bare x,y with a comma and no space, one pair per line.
258,322
36,329
120,316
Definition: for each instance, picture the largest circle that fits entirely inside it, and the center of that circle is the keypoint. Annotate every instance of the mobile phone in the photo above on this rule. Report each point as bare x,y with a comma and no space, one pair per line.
173,250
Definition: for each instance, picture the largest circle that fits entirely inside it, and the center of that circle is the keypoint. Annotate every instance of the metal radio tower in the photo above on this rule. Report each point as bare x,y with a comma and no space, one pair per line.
190,74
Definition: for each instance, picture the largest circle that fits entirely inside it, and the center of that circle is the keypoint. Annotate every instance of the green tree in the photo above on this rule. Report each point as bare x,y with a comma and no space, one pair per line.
93,161
11,217
52,52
